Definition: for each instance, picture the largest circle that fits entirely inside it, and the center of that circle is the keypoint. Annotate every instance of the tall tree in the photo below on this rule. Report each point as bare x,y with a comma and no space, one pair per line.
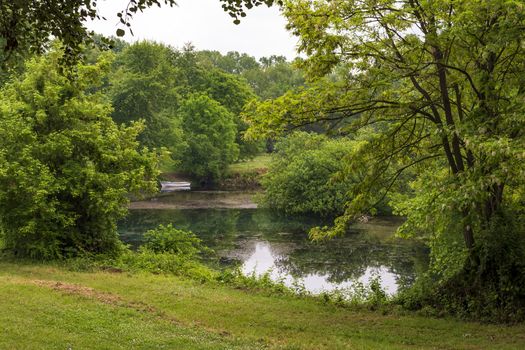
144,87
210,131
441,84
230,90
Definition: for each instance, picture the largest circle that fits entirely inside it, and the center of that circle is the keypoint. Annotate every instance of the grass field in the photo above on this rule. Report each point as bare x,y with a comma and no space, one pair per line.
47,307
259,162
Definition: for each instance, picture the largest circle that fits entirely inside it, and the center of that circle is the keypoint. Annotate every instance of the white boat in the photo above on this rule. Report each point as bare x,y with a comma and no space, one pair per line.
170,186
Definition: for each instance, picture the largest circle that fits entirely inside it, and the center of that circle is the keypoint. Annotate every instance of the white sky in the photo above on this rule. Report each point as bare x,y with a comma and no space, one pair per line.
203,23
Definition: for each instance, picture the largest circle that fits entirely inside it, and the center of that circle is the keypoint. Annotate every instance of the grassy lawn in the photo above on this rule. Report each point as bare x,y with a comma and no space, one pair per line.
52,308
259,162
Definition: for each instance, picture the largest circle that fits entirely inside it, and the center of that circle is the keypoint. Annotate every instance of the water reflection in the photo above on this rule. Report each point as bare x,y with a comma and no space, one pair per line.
264,242
263,260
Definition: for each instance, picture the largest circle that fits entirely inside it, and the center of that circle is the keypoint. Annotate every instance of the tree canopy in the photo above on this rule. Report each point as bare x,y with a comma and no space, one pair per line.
210,132
440,84
144,87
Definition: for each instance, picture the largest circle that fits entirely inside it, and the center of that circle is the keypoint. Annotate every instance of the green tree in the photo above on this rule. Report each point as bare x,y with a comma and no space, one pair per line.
66,169
144,87
273,77
230,90
301,178
210,131
441,82
233,62
269,78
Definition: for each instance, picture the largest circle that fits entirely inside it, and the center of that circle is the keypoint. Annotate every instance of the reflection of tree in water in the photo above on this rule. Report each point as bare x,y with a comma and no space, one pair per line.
217,228
410,259
347,258
344,258
274,227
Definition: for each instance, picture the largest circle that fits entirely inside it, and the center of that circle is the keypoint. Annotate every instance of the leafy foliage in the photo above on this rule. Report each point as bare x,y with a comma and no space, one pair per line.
152,79
167,239
269,78
168,250
65,168
144,88
274,77
210,132
440,86
203,72
301,176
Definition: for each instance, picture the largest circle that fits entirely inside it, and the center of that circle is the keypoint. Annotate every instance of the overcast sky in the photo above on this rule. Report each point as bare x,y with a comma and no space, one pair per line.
206,26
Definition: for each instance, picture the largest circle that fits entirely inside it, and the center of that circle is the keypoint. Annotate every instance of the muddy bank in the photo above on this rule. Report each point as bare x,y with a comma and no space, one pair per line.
199,200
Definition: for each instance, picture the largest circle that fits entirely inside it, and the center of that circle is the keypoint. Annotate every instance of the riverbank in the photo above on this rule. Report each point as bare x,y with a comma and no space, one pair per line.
49,306
199,200
242,176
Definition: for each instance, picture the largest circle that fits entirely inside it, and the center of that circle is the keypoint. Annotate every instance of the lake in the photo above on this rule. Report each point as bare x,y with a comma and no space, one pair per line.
262,241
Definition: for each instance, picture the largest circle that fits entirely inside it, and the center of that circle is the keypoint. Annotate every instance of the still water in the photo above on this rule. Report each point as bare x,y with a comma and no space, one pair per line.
262,242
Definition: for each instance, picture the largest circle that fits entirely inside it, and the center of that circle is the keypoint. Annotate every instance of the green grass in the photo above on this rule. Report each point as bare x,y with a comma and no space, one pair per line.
259,162
247,167
37,317
144,311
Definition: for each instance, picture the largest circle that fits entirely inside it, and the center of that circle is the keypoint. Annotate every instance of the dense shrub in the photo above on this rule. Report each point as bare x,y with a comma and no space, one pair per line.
167,239
66,168
301,178
165,250
488,285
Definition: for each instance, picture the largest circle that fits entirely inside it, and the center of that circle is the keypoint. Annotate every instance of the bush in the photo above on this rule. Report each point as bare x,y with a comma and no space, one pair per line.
488,286
167,239
66,169
301,176
166,250
169,250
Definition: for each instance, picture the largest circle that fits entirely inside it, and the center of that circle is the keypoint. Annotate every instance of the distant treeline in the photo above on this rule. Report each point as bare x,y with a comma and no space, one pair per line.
191,101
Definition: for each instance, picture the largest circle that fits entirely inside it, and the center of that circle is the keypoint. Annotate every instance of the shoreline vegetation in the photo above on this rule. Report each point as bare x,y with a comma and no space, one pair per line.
162,295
